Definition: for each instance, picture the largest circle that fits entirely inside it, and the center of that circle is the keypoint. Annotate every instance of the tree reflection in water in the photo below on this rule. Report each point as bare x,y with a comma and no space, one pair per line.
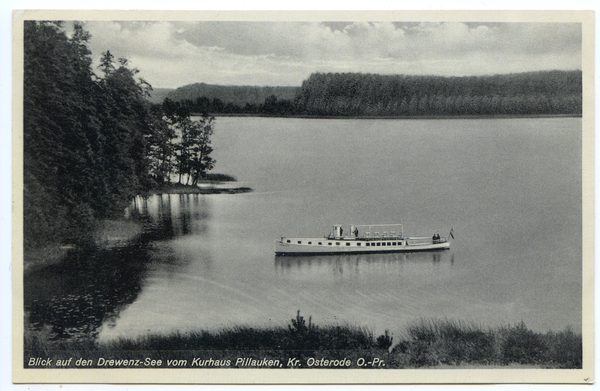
72,300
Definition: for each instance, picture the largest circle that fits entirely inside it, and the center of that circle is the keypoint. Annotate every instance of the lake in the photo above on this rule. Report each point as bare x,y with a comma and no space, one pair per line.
510,189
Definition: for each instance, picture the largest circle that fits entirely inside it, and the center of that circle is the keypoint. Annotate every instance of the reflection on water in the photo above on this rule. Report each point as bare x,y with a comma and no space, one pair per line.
353,263
92,285
166,216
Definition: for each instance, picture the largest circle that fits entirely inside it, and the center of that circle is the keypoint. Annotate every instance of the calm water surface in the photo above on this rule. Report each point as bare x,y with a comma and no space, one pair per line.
510,188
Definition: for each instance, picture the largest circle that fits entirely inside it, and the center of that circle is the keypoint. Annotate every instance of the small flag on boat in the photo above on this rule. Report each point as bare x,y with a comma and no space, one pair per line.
452,232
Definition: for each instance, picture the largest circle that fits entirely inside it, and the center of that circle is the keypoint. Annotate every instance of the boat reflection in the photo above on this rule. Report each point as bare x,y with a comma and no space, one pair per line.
355,263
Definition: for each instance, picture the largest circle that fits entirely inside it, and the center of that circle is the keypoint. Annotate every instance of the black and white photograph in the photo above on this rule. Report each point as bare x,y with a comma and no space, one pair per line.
303,197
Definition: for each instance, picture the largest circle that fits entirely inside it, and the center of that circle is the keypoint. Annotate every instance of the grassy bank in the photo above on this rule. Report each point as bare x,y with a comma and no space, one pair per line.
428,343
105,233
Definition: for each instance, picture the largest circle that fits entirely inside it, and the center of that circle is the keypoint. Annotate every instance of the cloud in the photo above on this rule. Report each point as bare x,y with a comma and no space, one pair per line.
306,41
171,54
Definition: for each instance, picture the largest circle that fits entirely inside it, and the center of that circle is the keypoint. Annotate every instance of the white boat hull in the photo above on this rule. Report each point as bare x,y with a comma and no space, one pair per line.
312,246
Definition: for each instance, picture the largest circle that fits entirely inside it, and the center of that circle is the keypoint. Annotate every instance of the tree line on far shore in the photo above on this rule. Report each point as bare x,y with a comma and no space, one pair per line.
373,95
91,140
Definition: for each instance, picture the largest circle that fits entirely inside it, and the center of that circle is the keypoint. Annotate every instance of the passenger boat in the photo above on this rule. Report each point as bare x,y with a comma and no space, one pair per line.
382,238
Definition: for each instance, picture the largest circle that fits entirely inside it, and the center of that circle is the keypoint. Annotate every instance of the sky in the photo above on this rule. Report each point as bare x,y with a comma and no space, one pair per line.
173,54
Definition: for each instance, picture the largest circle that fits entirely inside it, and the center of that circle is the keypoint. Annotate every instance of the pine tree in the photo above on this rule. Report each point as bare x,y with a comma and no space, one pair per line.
85,137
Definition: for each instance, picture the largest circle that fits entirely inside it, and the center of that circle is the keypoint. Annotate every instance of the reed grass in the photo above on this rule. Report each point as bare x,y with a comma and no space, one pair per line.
433,342
440,343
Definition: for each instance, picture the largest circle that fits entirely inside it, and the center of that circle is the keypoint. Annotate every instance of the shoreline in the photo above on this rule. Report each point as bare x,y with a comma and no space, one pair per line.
212,188
113,232
392,117
107,233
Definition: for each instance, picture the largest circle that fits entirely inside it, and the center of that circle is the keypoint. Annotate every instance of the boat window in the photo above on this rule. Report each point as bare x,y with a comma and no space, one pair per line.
368,244
289,241
383,244
400,243
389,244
320,243
329,243
358,244
393,243
337,243
309,242
299,241
379,243
347,244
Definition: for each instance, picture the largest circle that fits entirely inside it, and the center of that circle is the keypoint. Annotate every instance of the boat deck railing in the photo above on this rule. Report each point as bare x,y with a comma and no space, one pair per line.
384,235
368,236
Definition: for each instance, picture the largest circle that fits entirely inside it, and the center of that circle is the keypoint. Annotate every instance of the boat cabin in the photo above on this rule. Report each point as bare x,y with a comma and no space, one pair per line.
368,232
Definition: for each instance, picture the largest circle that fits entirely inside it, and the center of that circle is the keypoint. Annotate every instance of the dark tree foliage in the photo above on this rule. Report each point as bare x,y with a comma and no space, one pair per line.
126,128
355,94
85,137
272,106
236,95
59,131
162,149
360,95
189,142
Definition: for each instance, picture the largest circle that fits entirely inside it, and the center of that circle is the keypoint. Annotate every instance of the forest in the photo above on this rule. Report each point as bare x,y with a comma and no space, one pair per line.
237,96
91,140
372,95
